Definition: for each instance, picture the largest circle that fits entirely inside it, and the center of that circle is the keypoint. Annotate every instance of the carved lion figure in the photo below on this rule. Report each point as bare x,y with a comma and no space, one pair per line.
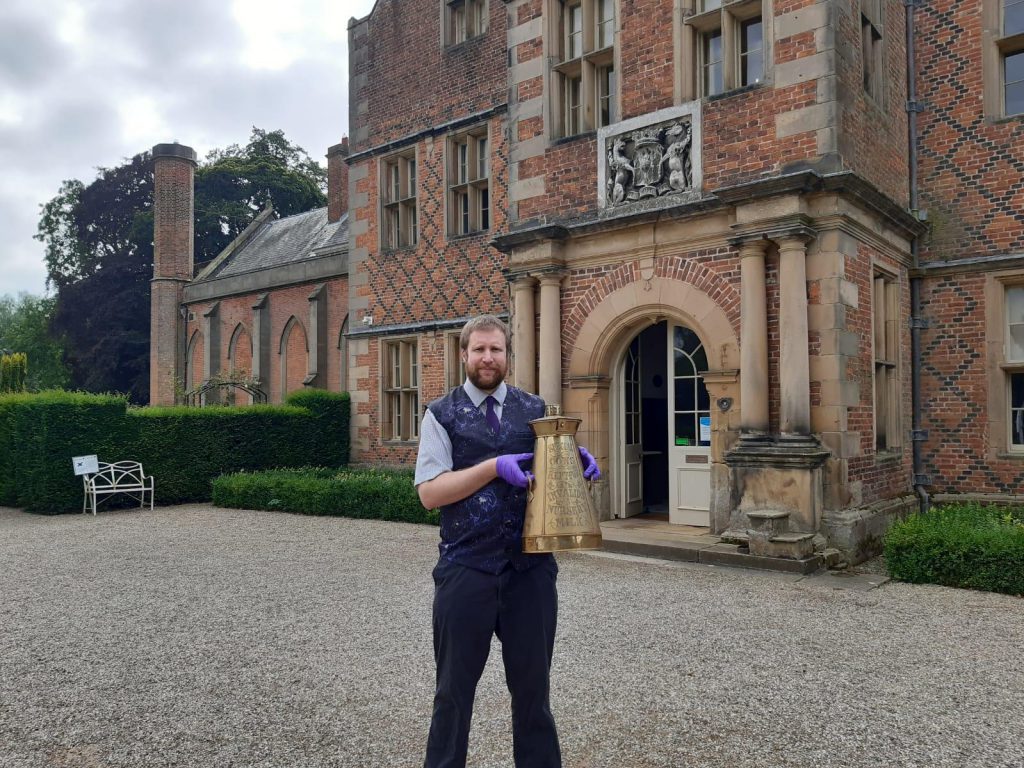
621,171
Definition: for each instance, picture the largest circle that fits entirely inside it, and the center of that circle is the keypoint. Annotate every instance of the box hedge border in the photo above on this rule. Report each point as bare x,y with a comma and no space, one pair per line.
379,494
183,448
960,545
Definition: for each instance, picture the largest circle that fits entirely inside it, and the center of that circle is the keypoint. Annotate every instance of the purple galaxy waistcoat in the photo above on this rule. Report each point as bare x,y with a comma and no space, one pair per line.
485,530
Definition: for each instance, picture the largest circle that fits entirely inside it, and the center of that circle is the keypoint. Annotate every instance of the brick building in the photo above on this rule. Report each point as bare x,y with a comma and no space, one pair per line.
706,223
269,312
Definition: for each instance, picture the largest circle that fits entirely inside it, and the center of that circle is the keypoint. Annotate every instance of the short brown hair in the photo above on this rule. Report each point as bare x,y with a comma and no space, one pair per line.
485,323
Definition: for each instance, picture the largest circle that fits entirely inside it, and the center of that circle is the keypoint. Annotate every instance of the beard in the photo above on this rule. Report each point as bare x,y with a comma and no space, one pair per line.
486,379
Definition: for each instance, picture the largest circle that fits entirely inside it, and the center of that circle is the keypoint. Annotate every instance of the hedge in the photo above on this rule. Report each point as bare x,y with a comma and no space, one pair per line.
380,494
962,545
183,448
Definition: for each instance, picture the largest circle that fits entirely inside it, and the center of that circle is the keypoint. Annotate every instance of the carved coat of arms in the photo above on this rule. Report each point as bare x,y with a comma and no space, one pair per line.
650,162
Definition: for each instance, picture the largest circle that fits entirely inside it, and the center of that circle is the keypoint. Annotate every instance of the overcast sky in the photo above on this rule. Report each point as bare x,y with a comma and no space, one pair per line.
89,83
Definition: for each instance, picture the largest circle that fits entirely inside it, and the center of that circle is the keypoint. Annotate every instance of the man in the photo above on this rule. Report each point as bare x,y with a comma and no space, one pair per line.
472,442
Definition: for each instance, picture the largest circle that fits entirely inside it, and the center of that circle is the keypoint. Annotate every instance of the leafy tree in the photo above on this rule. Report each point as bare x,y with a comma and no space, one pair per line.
24,327
99,247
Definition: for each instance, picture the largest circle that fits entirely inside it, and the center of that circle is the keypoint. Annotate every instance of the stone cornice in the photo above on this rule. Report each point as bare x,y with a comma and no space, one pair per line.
777,453
434,130
846,183
417,327
969,266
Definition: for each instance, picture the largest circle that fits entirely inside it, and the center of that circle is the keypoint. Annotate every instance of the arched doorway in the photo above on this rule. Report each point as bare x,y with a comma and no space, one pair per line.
665,426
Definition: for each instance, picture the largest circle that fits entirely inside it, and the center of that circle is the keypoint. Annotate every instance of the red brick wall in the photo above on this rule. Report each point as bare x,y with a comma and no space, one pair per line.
972,168
295,358
283,303
887,474
412,82
873,136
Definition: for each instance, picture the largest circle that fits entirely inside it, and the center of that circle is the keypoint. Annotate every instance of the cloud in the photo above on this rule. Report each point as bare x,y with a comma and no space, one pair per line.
89,83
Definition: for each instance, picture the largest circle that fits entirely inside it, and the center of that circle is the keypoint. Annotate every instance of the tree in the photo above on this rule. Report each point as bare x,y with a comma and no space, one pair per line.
99,247
24,328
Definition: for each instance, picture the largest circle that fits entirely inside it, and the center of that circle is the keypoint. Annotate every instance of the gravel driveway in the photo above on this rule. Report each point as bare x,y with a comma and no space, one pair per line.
193,636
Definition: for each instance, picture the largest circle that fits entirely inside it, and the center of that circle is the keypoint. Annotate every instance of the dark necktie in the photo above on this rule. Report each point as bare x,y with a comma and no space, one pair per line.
492,416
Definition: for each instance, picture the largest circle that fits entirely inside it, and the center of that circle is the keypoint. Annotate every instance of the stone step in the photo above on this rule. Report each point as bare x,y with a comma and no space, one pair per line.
795,546
708,553
769,522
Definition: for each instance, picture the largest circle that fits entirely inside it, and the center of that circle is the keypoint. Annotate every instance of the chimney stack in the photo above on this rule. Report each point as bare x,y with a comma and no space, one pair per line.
337,181
173,245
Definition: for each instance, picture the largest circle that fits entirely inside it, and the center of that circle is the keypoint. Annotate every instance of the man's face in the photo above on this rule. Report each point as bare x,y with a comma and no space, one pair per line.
486,363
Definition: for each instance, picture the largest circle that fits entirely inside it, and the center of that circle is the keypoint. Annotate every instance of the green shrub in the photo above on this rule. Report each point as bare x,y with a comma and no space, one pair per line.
183,448
378,494
39,433
965,545
13,372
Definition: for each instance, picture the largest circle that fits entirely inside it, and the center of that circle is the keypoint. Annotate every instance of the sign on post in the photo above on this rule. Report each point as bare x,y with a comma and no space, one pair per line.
86,465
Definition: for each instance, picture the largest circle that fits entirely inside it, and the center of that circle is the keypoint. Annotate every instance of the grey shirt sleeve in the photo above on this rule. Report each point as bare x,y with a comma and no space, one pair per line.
435,453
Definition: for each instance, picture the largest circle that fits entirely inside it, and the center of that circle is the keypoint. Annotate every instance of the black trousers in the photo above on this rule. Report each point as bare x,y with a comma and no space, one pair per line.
521,608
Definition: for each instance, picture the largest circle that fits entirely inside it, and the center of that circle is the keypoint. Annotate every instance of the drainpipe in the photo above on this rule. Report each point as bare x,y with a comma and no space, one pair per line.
917,322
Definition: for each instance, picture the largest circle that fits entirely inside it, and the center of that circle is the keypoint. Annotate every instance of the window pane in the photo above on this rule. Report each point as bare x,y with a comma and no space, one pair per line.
481,158
687,340
710,5
485,209
703,398
1013,77
686,394
605,23
1015,323
1017,408
412,178
574,31
605,89
1013,17
713,83
463,153
751,53
686,429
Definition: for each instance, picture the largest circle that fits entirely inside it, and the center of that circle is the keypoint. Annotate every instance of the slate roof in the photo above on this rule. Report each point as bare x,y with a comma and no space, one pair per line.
277,242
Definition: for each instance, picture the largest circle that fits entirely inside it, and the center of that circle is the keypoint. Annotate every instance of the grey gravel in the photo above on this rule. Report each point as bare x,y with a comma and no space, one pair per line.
193,636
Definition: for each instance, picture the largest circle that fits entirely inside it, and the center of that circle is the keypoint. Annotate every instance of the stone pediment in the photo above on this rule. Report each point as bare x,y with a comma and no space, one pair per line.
650,160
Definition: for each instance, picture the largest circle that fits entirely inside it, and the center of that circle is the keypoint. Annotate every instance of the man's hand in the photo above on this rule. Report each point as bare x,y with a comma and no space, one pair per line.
590,468
509,470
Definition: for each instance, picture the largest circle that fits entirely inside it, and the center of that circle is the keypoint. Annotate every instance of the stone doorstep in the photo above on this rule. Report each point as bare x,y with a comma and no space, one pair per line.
700,549
794,546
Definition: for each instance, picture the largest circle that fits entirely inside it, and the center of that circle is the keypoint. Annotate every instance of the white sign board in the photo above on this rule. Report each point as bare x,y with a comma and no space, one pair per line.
86,465
705,429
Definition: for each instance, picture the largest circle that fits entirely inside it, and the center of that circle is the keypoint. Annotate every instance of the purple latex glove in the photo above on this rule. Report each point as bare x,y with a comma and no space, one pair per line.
590,469
510,472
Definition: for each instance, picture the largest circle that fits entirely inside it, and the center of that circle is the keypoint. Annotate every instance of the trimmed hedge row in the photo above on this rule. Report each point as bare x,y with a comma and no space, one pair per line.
963,545
183,448
380,494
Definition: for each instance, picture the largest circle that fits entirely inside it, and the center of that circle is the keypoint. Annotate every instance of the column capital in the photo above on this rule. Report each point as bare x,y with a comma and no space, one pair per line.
550,277
750,245
520,280
796,239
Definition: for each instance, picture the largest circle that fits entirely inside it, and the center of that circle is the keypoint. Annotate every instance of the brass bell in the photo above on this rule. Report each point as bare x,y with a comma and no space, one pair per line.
560,513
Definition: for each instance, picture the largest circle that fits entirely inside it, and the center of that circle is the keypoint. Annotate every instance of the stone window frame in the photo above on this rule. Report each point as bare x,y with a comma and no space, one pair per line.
997,47
454,368
588,76
886,373
463,20
399,220
1000,368
872,49
400,390
472,189
699,18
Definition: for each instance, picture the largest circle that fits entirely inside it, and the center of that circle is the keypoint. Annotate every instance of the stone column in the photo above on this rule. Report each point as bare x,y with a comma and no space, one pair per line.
794,366
524,334
551,338
753,339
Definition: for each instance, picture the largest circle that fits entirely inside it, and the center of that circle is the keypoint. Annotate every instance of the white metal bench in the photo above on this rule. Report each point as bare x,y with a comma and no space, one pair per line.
124,477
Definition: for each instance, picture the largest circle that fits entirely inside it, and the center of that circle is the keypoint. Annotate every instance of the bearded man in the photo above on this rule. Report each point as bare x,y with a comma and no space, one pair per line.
473,442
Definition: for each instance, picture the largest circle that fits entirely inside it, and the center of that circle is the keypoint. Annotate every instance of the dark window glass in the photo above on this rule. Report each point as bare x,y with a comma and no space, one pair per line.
1013,17
1013,76
686,429
713,81
751,52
